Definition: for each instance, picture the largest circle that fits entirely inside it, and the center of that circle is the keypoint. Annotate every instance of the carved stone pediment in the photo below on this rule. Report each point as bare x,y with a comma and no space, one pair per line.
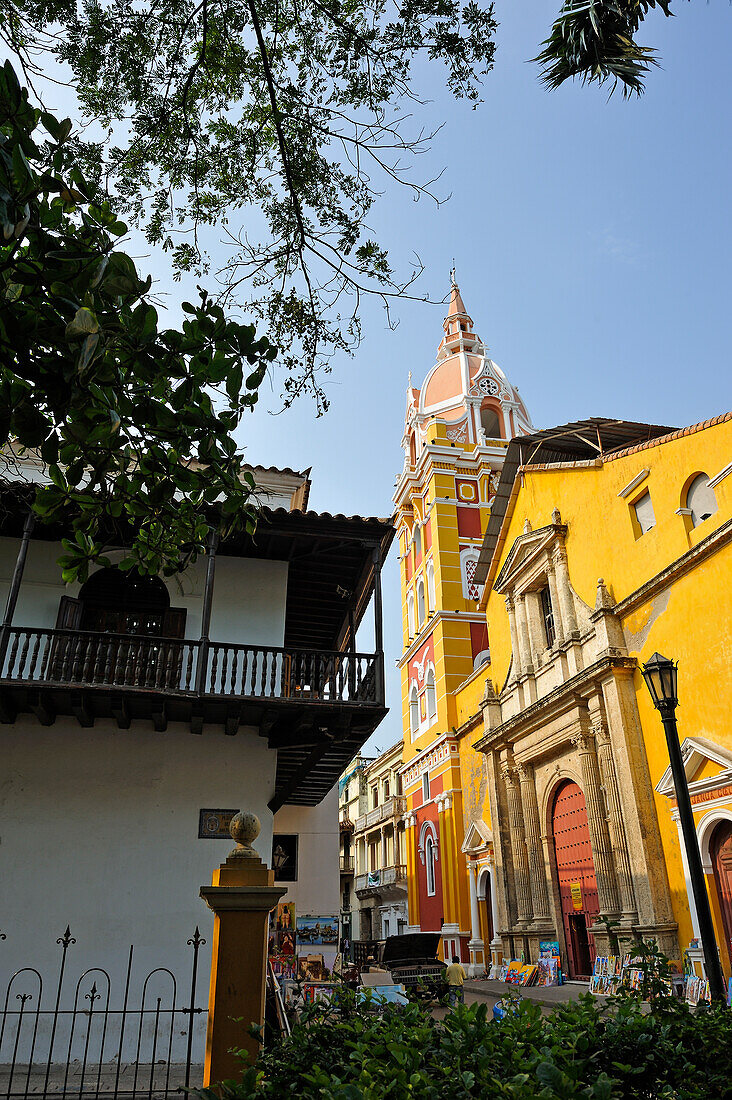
708,768
527,551
478,836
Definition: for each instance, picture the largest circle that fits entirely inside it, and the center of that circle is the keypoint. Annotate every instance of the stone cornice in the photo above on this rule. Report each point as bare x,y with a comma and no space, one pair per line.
438,616
555,702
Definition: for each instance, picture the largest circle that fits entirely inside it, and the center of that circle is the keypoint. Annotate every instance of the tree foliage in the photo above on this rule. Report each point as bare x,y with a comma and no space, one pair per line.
274,123
595,41
581,1049
133,422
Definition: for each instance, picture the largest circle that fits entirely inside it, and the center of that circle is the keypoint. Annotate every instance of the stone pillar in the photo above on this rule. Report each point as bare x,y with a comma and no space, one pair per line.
566,599
412,860
476,945
518,845
384,853
515,649
607,887
496,942
444,868
241,896
522,626
532,826
618,839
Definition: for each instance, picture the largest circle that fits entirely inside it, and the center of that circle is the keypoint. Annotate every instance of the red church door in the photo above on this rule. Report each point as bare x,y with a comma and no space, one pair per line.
721,852
576,872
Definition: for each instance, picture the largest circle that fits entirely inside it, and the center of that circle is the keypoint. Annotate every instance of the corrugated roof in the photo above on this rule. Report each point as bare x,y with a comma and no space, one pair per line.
583,440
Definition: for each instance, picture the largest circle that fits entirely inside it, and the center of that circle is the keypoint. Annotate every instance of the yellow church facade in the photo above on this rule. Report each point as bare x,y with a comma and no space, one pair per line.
539,571
610,541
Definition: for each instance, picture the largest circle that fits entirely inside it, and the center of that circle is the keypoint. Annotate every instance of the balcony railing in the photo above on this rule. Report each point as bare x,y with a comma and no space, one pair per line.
88,659
347,864
392,807
393,875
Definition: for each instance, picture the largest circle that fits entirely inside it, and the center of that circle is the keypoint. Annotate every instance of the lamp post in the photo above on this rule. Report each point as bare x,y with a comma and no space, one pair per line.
660,674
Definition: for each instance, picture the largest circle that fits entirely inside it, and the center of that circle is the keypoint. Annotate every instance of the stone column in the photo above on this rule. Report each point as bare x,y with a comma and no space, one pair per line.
522,626
618,839
241,896
566,599
518,845
496,943
532,826
515,649
384,853
607,887
476,945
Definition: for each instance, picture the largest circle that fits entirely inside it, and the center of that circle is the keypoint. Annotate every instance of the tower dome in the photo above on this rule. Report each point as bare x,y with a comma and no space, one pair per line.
466,390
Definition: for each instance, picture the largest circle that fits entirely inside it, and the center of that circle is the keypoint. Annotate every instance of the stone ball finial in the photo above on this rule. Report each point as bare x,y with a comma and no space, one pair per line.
244,828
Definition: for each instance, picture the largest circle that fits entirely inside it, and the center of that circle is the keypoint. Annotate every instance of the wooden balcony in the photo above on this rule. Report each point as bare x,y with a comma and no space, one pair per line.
393,807
304,701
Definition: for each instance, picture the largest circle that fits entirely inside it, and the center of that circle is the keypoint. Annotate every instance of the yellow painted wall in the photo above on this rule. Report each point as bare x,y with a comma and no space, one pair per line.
690,621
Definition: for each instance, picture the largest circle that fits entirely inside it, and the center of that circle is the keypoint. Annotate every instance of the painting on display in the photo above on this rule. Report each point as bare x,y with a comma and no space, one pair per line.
317,930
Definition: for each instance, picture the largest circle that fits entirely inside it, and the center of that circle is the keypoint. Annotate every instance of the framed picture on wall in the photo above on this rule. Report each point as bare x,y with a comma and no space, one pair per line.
284,857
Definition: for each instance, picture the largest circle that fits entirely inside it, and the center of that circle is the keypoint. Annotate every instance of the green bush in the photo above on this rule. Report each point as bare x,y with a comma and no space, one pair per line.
582,1049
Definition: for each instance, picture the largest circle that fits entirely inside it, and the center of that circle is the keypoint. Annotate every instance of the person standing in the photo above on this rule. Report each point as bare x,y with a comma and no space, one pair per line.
455,976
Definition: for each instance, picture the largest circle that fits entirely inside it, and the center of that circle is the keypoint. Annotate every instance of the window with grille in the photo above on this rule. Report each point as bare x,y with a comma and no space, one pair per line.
426,787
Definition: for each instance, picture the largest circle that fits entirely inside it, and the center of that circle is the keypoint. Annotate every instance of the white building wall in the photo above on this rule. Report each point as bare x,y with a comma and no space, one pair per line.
99,830
316,892
248,603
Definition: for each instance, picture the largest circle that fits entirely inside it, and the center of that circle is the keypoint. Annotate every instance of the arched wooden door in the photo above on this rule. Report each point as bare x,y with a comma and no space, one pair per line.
720,849
576,873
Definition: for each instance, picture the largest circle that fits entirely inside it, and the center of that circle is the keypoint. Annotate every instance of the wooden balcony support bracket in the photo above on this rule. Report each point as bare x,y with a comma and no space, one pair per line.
121,712
42,706
232,721
159,716
8,709
267,724
81,710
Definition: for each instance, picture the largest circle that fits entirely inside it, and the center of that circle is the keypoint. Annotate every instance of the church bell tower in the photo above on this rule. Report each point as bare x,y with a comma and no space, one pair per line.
456,430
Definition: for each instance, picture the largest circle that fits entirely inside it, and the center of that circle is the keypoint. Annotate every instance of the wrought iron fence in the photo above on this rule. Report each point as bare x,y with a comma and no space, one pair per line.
138,1047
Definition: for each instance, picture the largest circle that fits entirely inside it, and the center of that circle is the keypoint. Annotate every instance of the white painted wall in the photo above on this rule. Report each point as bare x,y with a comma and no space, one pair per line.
248,605
317,890
99,830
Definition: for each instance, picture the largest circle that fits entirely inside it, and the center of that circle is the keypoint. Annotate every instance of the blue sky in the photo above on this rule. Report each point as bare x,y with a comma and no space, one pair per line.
592,244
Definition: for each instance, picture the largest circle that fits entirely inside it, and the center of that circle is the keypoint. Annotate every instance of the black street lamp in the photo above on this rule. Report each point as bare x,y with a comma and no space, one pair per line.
660,676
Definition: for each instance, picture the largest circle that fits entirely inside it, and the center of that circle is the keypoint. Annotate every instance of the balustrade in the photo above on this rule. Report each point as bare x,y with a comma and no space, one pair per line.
94,659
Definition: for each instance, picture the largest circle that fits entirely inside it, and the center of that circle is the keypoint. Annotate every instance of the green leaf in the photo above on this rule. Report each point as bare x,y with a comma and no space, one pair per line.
84,322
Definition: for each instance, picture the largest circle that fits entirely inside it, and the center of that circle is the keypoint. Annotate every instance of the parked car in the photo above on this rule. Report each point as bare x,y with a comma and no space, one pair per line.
412,961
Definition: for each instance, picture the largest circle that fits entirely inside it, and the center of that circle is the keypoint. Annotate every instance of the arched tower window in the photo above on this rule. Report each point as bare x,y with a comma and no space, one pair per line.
413,710
420,602
490,419
431,599
410,613
431,696
417,540
429,863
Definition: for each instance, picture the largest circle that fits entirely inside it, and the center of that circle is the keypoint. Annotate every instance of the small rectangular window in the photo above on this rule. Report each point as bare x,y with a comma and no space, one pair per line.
425,787
644,514
547,612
